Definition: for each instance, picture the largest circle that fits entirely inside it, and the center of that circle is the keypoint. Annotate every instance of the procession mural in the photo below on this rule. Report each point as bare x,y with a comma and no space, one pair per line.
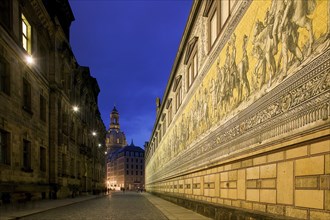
273,40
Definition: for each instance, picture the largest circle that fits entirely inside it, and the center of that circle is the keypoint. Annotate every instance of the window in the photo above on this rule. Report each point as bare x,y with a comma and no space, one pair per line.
4,148
127,172
5,15
42,108
224,6
192,70
4,76
72,167
26,95
178,96
218,13
169,113
78,169
42,160
213,27
164,126
26,155
26,34
137,173
63,165
141,173
232,4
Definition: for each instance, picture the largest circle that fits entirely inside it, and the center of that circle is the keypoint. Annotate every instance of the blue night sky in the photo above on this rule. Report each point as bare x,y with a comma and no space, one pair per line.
130,47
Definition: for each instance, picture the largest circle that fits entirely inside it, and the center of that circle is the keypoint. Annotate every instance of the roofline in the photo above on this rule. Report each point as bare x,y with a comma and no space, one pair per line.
184,40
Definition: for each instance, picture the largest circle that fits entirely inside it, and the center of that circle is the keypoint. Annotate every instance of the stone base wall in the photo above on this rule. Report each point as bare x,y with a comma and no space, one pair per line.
290,182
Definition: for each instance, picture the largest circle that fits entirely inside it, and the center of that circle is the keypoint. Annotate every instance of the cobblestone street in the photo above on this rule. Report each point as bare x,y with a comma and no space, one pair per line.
118,205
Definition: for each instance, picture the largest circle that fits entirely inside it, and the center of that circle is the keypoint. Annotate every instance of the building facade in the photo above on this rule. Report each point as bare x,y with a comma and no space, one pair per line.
125,163
243,126
47,149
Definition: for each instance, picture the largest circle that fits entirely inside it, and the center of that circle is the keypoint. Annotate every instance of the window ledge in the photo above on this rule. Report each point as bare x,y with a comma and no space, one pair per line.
28,110
27,170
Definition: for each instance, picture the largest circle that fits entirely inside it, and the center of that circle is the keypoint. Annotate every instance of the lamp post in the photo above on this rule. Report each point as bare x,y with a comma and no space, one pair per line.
93,172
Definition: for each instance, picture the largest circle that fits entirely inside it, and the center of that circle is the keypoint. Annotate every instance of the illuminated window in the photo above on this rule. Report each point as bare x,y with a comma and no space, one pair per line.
26,34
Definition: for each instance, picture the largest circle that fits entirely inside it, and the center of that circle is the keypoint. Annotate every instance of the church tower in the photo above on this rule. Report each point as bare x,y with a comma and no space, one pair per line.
114,119
115,138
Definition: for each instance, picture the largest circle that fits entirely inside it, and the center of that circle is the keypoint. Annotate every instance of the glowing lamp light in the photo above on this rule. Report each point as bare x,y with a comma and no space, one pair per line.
75,108
94,133
29,60
100,145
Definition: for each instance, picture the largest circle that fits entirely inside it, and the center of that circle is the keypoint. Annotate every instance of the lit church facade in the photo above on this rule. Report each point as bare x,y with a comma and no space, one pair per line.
125,163
243,127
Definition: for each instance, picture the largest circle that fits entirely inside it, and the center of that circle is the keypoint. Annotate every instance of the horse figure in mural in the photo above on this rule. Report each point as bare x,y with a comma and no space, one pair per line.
297,11
295,16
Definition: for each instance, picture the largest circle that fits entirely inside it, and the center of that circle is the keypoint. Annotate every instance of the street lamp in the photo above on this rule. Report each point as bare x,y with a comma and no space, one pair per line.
94,133
29,59
75,108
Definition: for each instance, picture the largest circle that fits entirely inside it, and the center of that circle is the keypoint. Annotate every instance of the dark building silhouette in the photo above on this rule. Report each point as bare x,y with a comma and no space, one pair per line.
47,147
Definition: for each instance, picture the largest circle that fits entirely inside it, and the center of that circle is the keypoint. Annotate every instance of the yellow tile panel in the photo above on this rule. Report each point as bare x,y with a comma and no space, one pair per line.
268,195
285,182
252,195
268,171
296,152
320,147
309,198
275,157
252,173
309,166
241,184
259,160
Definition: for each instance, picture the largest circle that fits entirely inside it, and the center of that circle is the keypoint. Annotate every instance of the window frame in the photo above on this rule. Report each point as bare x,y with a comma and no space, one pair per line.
26,38
5,149
192,75
5,76
42,159
7,11
43,108
27,95
26,156
216,8
178,96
